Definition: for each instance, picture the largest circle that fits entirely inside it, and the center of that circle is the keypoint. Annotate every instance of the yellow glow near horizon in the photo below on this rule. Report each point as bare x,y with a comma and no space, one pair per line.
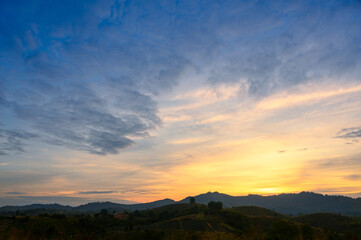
274,157
268,148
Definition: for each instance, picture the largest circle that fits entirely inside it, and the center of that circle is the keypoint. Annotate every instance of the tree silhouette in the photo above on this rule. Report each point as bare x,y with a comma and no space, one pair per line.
192,200
215,206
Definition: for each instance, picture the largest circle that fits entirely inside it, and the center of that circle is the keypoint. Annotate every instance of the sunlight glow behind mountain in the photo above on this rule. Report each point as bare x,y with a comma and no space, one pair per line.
144,100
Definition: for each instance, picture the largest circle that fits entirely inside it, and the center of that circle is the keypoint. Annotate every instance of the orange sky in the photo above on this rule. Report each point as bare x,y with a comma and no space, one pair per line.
135,101
272,146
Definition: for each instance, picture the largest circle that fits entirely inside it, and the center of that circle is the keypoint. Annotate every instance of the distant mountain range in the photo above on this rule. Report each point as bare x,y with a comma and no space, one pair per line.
291,204
288,203
89,207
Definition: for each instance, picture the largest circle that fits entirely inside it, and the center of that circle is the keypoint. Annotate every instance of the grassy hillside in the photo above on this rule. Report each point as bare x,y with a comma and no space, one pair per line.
336,222
182,221
257,211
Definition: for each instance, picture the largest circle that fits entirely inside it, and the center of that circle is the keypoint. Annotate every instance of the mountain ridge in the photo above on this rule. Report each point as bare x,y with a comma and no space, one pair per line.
285,203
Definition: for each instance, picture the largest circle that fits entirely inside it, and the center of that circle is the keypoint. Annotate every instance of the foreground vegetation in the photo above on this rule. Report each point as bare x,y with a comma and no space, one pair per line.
181,221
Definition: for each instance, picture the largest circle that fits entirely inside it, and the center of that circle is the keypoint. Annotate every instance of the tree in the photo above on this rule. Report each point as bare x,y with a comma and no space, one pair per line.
215,206
192,200
103,212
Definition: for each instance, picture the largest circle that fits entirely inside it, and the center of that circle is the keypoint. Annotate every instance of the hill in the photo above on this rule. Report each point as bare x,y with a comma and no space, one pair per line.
256,211
336,222
290,203
248,222
35,206
182,221
35,209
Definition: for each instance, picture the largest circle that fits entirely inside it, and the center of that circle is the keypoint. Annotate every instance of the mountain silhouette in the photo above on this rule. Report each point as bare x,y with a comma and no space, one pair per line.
287,203
97,206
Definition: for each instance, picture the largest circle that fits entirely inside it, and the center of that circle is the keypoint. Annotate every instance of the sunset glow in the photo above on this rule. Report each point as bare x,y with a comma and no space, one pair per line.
133,101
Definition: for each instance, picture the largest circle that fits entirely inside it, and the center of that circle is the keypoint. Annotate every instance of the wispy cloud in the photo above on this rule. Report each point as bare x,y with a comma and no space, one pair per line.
354,177
353,133
158,95
311,95
96,192
13,140
118,62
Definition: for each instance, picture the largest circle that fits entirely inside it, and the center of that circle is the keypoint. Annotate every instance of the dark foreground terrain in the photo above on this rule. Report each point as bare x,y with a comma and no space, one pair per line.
181,221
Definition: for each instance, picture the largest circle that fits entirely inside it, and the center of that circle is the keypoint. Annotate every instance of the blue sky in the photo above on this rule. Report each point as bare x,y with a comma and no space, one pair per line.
137,100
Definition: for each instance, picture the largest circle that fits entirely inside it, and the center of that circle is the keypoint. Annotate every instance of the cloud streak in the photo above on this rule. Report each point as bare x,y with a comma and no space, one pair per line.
15,193
353,177
13,141
96,192
92,86
350,133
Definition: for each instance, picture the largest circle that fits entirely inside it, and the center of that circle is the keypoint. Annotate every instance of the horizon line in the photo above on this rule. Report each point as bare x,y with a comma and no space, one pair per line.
135,203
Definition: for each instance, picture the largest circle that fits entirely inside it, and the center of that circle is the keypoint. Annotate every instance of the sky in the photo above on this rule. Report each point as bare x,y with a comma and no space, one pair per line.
136,101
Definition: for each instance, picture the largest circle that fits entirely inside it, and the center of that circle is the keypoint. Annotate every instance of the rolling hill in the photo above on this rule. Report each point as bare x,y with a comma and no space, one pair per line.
182,221
289,204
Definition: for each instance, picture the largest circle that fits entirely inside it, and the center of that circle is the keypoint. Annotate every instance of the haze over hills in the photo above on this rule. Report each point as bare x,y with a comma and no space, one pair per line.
291,204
